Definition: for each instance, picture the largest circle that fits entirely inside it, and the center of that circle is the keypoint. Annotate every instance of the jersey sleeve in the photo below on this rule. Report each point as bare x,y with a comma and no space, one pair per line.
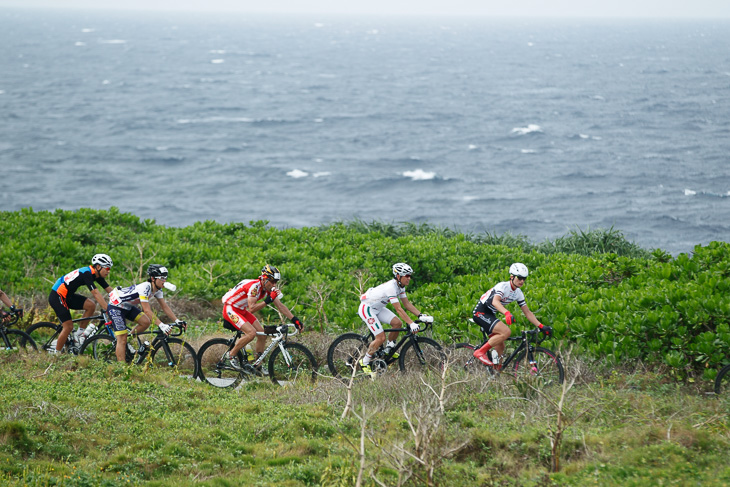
88,279
145,291
102,282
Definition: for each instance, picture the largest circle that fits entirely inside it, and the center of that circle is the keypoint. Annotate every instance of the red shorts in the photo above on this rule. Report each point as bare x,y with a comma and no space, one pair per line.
235,316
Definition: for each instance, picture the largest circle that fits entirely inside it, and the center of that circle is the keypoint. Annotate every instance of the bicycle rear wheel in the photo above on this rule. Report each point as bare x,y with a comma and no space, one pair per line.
44,334
460,359
423,355
722,381
178,354
17,340
547,370
344,353
303,365
212,367
100,347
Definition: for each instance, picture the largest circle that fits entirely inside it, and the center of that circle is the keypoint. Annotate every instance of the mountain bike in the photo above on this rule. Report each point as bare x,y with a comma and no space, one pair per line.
45,333
164,351
414,353
289,361
722,381
526,360
13,339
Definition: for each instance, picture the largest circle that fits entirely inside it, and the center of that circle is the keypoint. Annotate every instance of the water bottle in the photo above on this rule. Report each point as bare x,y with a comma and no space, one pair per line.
90,330
495,357
249,354
143,349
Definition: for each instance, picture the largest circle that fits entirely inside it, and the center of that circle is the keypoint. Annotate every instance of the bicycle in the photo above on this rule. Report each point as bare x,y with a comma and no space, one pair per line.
45,333
164,351
13,339
289,361
542,364
418,353
722,381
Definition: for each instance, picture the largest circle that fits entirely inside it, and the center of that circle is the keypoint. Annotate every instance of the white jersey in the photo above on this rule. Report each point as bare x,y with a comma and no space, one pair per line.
506,295
238,295
378,297
126,297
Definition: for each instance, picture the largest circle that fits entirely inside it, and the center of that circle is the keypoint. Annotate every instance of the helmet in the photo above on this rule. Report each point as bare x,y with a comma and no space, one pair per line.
400,269
102,259
157,271
270,272
519,270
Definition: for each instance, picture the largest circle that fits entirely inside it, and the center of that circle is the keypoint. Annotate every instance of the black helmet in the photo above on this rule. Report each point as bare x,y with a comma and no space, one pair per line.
270,272
157,271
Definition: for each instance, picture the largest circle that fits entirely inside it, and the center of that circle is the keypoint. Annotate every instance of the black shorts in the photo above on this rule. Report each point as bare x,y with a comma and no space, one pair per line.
118,317
62,306
485,318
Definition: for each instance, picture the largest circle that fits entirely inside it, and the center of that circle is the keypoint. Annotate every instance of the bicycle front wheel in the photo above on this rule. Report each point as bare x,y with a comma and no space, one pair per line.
44,334
546,371
722,381
344,353
301,365
100,347
422,355
177,354
212,366
17,340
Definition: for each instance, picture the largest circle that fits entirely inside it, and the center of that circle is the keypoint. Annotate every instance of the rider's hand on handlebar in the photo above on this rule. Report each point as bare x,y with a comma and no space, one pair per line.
297,323
165,328
508,318
16,311
182,324
413,326
547,330
424,318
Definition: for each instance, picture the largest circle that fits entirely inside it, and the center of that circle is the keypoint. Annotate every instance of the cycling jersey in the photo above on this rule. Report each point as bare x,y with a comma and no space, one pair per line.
505,292
85,276
239,294
378,297
127,297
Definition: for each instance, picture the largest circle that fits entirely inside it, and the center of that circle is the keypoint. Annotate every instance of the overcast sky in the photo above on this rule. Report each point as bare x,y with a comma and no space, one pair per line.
522,8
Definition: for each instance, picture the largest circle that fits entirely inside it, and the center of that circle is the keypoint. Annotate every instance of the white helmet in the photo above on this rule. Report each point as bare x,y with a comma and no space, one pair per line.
400,269
103,260
519,270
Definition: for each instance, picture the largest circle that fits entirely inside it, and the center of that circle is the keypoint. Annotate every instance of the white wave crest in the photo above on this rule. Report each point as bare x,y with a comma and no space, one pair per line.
321,174
79,43
419,175
527,130
112,41
296,174
689,192
215,120
528,151
217,61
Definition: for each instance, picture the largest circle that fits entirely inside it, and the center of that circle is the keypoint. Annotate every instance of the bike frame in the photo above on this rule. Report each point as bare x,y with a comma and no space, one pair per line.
409,336
277,340
525,343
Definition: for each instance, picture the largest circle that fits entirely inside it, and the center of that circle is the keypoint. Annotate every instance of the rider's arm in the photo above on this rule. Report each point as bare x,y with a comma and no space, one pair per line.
254,305
497,303
282,308
530,315
401,312
409,306
166,309
5,299
98,297
147,310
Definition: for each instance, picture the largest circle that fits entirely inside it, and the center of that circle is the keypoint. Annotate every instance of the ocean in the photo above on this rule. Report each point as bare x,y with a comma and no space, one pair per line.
534,127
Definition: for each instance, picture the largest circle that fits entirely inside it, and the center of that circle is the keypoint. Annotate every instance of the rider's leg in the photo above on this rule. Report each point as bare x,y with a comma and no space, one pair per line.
249,333
376,328
119,325
499,334
121,350
67,328
89,310
61,307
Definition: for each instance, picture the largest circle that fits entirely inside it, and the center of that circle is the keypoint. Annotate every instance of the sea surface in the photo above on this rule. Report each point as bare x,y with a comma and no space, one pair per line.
535,127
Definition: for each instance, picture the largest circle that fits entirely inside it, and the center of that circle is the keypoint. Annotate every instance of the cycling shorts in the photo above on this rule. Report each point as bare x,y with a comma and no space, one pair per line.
375,320
63,306
118,317
236,316
486,319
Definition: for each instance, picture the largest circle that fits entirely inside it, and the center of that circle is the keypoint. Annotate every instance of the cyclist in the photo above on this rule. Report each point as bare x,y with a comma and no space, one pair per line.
241,303
13,310
122,307
374,313
494,301
63,297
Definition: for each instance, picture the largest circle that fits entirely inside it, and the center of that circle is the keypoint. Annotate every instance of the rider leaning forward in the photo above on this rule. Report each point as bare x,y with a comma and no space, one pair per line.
493,302
63,297
245,299
373,312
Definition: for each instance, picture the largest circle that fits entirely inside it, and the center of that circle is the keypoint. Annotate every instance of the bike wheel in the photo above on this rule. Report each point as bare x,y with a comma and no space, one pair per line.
303,365
100,347
344,353
460,359
177,354
44,334
17,340
722,381
545,372
423,355
212,367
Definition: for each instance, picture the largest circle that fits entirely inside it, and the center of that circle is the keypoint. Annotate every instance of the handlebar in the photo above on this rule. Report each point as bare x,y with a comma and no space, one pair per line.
8,318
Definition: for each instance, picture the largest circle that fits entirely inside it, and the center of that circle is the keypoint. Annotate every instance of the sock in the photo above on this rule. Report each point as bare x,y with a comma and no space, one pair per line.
367,358
483,350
